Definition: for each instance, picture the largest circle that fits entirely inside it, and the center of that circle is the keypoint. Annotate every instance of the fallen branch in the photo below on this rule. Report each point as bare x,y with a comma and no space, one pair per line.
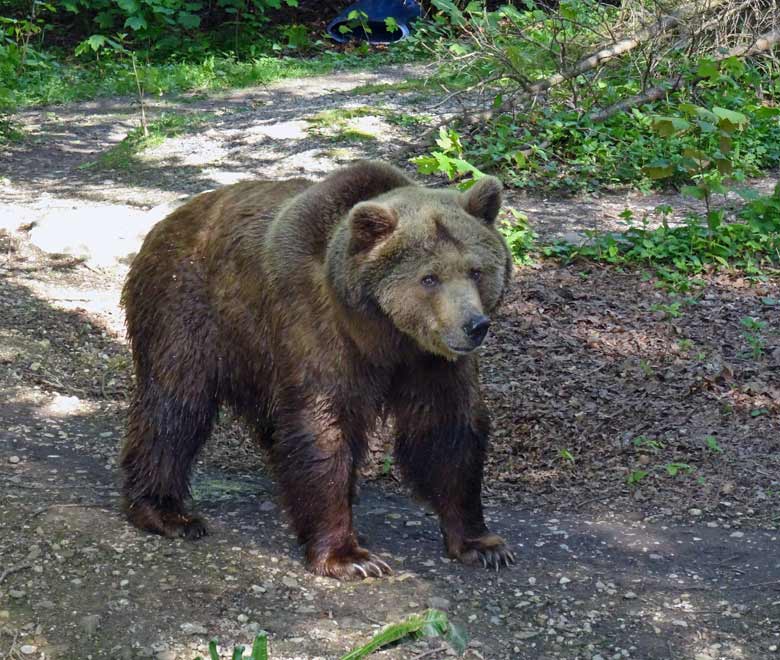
14,569
762,44
590,62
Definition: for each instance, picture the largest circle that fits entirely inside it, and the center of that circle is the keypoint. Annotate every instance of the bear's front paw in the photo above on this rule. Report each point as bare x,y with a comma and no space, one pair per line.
353,563
489,550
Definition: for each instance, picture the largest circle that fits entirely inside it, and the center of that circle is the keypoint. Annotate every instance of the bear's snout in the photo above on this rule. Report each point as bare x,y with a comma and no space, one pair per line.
476,328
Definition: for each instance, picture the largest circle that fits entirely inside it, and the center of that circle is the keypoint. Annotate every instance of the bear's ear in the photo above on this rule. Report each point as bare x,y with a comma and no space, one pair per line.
483,199
370,223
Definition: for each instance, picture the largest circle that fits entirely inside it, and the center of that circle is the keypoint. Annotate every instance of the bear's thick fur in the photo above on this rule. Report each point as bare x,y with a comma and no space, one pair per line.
314,310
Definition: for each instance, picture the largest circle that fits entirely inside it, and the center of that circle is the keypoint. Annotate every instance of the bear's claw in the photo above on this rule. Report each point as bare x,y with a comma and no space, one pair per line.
489,550
360,564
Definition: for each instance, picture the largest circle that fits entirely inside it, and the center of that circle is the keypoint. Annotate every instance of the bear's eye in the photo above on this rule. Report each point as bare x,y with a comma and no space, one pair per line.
429,281
475,274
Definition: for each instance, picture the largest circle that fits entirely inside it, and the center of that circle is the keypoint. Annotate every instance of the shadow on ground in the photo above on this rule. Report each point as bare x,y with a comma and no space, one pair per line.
604,575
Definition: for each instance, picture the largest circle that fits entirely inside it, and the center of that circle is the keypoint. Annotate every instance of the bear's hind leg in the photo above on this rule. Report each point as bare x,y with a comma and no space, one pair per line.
164,436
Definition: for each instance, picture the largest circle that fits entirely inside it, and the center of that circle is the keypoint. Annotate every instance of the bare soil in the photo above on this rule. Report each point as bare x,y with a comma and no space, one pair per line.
593,379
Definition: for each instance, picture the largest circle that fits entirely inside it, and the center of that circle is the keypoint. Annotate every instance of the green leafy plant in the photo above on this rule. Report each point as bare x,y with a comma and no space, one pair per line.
651,444
753,334
562,106
448,160
356,24
519,236
98,43
671,310
566,456
635,476
712,445
259,650
387,464
707,162
673,469
432,623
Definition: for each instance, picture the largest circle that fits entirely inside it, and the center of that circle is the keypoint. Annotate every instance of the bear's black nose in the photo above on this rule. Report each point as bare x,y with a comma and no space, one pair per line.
477,328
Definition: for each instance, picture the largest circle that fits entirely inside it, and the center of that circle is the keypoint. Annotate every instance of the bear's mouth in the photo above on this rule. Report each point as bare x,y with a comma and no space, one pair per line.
462,350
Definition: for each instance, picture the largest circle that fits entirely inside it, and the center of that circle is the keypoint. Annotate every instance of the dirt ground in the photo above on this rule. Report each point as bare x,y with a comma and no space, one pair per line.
634,464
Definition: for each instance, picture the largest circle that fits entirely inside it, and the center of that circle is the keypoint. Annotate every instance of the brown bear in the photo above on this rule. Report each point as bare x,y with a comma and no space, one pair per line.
314,310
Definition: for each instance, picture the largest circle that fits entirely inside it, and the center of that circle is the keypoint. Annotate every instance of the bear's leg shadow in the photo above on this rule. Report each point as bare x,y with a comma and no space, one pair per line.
442,429
316,459
168,424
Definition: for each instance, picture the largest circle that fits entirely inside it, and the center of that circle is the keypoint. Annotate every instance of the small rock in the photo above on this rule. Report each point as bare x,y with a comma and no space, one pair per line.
253,627
526,634
288,581
13,460
702,656
268,505
193,629
564,580
166,654
28,649
680,623
439,603
16,593
629,595
242,618
695,512
737,535
413,523
90,623
5,614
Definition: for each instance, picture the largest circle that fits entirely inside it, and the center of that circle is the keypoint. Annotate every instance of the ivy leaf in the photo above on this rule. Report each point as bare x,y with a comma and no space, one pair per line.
129,6
136,23
187,20
668,126
660,169
730,120
708,69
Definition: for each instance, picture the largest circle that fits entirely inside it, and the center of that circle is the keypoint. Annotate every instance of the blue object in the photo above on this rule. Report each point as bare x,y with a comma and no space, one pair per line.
372,15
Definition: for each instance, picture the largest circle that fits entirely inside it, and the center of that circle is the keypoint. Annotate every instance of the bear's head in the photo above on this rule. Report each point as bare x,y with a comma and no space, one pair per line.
431,261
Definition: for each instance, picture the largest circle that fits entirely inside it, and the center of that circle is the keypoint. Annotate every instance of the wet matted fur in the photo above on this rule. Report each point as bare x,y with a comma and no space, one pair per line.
314,310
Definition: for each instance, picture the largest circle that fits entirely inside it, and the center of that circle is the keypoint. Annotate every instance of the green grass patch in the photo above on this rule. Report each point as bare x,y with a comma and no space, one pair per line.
333,116
409,85
354,135
61,79
124,156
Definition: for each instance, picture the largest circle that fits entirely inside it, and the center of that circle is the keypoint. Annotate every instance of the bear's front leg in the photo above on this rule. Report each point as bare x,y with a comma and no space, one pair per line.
442,433
316,465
